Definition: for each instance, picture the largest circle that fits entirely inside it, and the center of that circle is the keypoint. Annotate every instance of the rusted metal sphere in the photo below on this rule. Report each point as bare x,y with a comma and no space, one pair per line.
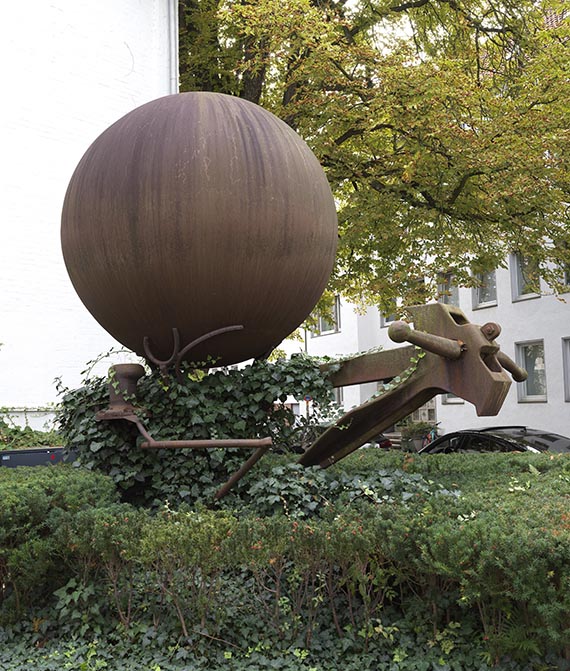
199,211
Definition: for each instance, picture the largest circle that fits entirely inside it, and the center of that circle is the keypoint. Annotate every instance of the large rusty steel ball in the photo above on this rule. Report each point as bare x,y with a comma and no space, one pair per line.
199,211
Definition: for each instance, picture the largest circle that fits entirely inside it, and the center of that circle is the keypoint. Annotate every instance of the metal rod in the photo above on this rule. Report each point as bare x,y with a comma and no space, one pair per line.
450,349
238,475
519,374
252,443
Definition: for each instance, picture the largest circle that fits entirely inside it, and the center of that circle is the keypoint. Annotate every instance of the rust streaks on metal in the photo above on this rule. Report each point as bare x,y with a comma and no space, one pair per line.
199,210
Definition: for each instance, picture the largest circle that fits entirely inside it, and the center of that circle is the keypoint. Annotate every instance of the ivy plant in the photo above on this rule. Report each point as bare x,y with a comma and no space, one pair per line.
249,402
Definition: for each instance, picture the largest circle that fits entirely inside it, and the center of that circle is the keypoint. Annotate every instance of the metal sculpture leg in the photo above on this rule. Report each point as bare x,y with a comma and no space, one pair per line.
122,389
456,357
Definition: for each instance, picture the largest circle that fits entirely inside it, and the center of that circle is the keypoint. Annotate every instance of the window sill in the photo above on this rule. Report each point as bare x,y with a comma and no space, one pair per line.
482,306
324,333
525,297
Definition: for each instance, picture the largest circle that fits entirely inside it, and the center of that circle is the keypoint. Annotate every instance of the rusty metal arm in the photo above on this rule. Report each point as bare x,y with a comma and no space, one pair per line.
365,422
369,367
519,374
206,444
123,386
260,445
459,357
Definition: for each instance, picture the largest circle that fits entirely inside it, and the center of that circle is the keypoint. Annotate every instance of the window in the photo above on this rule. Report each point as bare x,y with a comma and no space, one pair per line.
386,320
338,394
566,277
485,294
447,290
451,399
566,364
530,356
329,323
565,265
425,413
525,280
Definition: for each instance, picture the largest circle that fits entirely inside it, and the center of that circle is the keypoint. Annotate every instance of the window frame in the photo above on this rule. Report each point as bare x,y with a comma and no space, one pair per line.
522,388
516,263
319,331
338,394
566,278
566,367
478,304
451,399
447,290
386,320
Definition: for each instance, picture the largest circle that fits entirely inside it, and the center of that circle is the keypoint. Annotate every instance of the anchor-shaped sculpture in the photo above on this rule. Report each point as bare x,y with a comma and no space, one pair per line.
460,358
456,357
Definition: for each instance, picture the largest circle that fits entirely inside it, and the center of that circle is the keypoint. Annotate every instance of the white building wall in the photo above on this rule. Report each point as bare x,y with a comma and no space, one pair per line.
70,68
355,334
544,318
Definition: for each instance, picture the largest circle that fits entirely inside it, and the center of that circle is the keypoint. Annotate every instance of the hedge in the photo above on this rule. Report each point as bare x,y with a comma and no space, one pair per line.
372,557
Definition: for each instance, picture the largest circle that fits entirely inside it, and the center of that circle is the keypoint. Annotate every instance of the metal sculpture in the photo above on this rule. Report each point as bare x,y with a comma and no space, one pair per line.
197,212
458,357
201,228
451,355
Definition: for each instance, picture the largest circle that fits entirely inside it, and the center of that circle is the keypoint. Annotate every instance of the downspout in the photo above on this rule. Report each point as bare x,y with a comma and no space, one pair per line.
172,10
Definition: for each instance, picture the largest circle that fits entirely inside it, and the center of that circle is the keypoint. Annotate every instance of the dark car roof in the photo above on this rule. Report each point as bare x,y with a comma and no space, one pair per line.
542,440
519,437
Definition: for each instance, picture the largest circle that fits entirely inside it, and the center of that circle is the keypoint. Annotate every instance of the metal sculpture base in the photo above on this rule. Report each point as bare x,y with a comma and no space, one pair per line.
448,355
123,378
122,387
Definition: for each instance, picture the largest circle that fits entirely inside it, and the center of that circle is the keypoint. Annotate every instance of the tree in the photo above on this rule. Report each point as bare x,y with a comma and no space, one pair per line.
443,125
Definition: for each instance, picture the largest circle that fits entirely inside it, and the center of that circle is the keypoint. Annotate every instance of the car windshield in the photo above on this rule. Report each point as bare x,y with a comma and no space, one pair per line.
540,440
471,441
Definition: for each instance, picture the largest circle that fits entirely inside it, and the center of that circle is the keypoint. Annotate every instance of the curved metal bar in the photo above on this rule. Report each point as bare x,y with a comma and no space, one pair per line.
178,354
206,336
163,364
184,351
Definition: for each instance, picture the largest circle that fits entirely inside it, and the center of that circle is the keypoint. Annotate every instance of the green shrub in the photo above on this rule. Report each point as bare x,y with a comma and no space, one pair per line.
380,557
245,403
14,437
33,503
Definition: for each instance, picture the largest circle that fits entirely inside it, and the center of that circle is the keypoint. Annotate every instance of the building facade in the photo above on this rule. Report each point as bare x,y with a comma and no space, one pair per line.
535,333
70,69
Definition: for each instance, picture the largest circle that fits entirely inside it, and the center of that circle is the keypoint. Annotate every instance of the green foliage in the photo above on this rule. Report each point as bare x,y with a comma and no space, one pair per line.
245,403
33,504
442,125
423,562
13,437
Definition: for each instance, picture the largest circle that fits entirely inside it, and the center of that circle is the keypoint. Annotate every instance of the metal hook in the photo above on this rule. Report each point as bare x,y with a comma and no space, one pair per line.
163,365
177,353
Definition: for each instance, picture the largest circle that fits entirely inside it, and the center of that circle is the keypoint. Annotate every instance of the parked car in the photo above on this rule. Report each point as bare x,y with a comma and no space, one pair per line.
498,439
35,456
